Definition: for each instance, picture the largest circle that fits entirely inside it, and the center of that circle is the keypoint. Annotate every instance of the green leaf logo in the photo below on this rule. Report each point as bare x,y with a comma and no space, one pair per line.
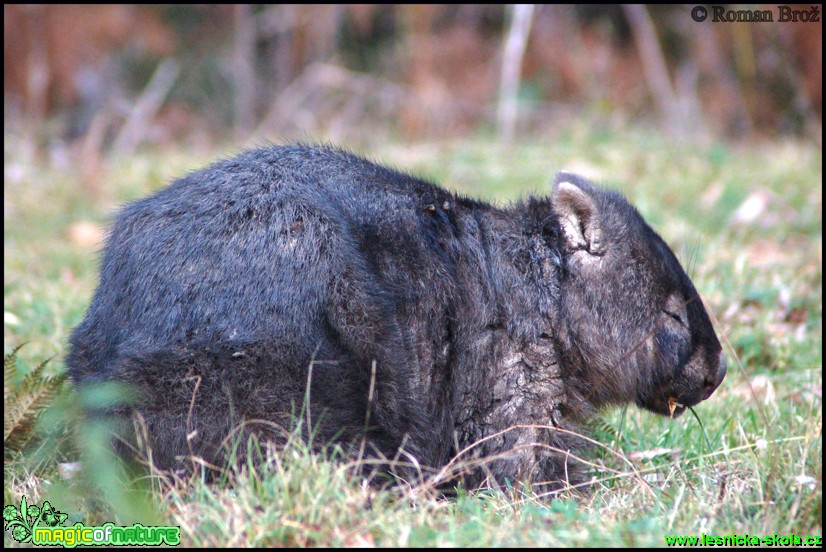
24,521
52,517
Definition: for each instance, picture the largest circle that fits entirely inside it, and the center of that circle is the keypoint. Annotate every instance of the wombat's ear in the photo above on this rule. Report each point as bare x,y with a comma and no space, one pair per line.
578,213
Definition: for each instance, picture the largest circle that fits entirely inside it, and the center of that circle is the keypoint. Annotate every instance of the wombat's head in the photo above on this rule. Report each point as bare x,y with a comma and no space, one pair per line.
637,330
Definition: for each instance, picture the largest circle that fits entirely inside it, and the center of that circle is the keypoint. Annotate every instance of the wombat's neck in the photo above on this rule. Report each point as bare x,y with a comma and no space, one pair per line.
528,260
510,398
523,270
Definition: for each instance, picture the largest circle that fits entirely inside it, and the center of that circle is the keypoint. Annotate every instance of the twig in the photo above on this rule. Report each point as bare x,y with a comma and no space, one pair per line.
323,77
243,72
146,107
515,45
653,65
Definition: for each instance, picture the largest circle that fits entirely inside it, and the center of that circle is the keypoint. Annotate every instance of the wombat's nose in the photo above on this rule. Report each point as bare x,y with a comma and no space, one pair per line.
713,381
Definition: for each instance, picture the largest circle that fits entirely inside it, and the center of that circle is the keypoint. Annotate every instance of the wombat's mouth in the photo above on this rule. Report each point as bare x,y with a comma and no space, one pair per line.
671,407
666,404
672,398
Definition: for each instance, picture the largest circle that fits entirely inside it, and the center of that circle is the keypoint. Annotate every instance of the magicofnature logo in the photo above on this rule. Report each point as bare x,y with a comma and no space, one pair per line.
41,525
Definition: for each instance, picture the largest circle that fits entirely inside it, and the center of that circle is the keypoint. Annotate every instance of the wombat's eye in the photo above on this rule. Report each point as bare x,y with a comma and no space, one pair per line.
675,307
675,317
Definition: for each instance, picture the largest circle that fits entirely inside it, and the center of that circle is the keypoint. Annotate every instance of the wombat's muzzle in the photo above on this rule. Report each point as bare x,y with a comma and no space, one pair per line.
713,381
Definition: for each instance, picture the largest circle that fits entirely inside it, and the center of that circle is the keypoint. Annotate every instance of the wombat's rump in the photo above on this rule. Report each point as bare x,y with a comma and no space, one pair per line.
423,321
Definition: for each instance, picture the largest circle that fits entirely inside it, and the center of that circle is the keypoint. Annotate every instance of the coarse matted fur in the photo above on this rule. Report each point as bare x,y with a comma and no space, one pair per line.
425,321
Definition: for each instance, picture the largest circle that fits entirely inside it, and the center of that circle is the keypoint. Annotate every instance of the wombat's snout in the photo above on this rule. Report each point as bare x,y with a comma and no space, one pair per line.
713,381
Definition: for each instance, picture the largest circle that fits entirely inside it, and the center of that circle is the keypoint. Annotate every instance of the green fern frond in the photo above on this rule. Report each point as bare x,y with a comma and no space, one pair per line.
9,371
606,427
24,402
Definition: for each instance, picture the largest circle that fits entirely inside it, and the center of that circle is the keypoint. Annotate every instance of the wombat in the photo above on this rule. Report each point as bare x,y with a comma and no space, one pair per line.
397,318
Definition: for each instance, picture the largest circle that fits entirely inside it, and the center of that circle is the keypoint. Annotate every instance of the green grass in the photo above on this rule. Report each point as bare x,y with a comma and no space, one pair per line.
759,473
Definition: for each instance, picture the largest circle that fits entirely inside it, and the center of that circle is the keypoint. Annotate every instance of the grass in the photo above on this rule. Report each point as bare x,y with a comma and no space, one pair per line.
759,473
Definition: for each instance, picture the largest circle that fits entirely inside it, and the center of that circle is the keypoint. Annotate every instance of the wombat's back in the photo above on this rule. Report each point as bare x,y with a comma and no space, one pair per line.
218,294
243,250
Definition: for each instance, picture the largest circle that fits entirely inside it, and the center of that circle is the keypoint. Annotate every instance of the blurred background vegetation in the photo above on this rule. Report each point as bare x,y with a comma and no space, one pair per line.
108,78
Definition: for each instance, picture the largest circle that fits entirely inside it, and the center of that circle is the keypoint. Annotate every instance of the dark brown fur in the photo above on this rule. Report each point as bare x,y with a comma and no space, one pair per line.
425,321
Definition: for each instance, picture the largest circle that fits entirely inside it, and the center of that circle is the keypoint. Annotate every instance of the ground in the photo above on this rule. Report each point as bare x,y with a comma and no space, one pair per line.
745,220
